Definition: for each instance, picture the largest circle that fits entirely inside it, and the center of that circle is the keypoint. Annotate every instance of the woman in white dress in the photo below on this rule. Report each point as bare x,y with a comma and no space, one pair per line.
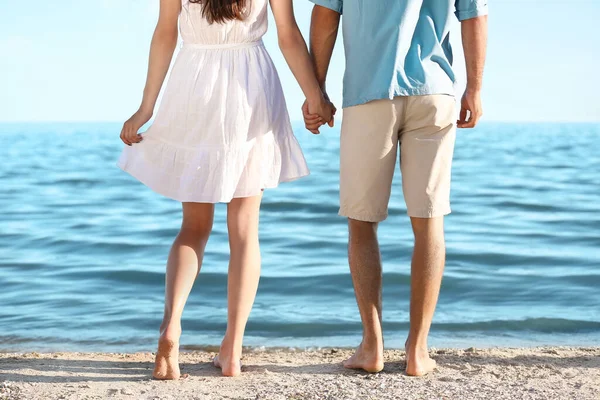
221,134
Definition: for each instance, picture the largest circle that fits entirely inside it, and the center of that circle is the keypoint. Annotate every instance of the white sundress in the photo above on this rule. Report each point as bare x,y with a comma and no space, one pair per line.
222,130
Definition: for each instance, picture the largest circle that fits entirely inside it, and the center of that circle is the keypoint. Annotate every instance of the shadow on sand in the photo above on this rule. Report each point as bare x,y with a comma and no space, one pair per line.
60,370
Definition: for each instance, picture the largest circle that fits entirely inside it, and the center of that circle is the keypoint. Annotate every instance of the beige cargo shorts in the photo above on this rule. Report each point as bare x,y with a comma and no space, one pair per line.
424,127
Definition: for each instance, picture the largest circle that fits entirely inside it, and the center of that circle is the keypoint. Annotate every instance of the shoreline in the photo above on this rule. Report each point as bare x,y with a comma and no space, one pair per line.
287,374
395,341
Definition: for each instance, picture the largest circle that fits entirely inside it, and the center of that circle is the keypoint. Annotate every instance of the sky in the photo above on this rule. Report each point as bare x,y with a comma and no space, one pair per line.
73,60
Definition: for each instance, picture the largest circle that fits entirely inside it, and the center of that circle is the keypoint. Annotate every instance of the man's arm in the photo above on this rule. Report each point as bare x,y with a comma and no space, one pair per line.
474,38
323,34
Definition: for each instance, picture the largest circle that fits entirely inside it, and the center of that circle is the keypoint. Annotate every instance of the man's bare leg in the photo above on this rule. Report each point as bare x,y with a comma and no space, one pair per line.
426,278
365,266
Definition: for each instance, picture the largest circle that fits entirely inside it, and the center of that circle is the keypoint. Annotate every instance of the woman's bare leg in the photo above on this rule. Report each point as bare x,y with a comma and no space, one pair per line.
183,266
244,274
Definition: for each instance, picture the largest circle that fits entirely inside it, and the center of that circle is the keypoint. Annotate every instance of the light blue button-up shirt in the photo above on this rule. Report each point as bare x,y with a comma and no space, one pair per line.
399,47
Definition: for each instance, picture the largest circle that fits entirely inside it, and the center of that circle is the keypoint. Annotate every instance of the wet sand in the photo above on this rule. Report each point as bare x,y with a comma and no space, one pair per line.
522,373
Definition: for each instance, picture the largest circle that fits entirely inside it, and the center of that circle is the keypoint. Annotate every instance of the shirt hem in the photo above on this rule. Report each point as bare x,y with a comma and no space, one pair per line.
419,91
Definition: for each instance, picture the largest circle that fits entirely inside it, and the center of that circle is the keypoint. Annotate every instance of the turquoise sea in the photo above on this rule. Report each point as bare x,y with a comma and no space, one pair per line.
83,247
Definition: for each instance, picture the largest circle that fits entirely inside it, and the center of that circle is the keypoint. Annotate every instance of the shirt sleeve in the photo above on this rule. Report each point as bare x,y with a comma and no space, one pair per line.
335,5
467,9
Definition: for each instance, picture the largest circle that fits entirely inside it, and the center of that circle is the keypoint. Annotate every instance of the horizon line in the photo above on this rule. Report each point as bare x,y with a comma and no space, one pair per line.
300,121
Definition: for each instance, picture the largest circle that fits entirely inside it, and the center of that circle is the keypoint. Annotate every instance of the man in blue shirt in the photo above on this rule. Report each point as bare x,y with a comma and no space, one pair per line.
398,94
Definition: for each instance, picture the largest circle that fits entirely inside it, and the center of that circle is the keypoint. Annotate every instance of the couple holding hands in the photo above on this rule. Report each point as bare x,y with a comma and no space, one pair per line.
222,134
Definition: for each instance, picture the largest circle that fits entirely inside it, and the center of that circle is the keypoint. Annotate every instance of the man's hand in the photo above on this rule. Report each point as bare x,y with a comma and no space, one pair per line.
470,109
313,121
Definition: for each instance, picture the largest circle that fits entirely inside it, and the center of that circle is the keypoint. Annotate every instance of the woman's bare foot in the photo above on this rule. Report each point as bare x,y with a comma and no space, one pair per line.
166,365
366,359
418,362
228,366
229,358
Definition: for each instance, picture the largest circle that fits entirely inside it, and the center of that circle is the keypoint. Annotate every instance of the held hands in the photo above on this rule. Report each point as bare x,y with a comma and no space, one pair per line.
471,104
318,113
129,133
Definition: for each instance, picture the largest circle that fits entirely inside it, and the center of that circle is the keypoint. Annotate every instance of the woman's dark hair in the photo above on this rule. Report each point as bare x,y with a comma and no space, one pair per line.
220,11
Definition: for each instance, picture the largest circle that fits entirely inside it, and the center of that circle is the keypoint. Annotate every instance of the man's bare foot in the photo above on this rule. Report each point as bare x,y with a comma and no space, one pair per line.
228,366
370,361
418,362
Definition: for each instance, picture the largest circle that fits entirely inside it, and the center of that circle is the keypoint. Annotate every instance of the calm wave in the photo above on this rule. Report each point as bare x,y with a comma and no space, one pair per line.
83,247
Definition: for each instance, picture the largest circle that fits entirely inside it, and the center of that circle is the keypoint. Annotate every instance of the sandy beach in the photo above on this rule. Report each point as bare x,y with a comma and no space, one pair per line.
537,373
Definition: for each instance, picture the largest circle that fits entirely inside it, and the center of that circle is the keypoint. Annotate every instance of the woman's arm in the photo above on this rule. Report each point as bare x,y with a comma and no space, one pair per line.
161,54
294,50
